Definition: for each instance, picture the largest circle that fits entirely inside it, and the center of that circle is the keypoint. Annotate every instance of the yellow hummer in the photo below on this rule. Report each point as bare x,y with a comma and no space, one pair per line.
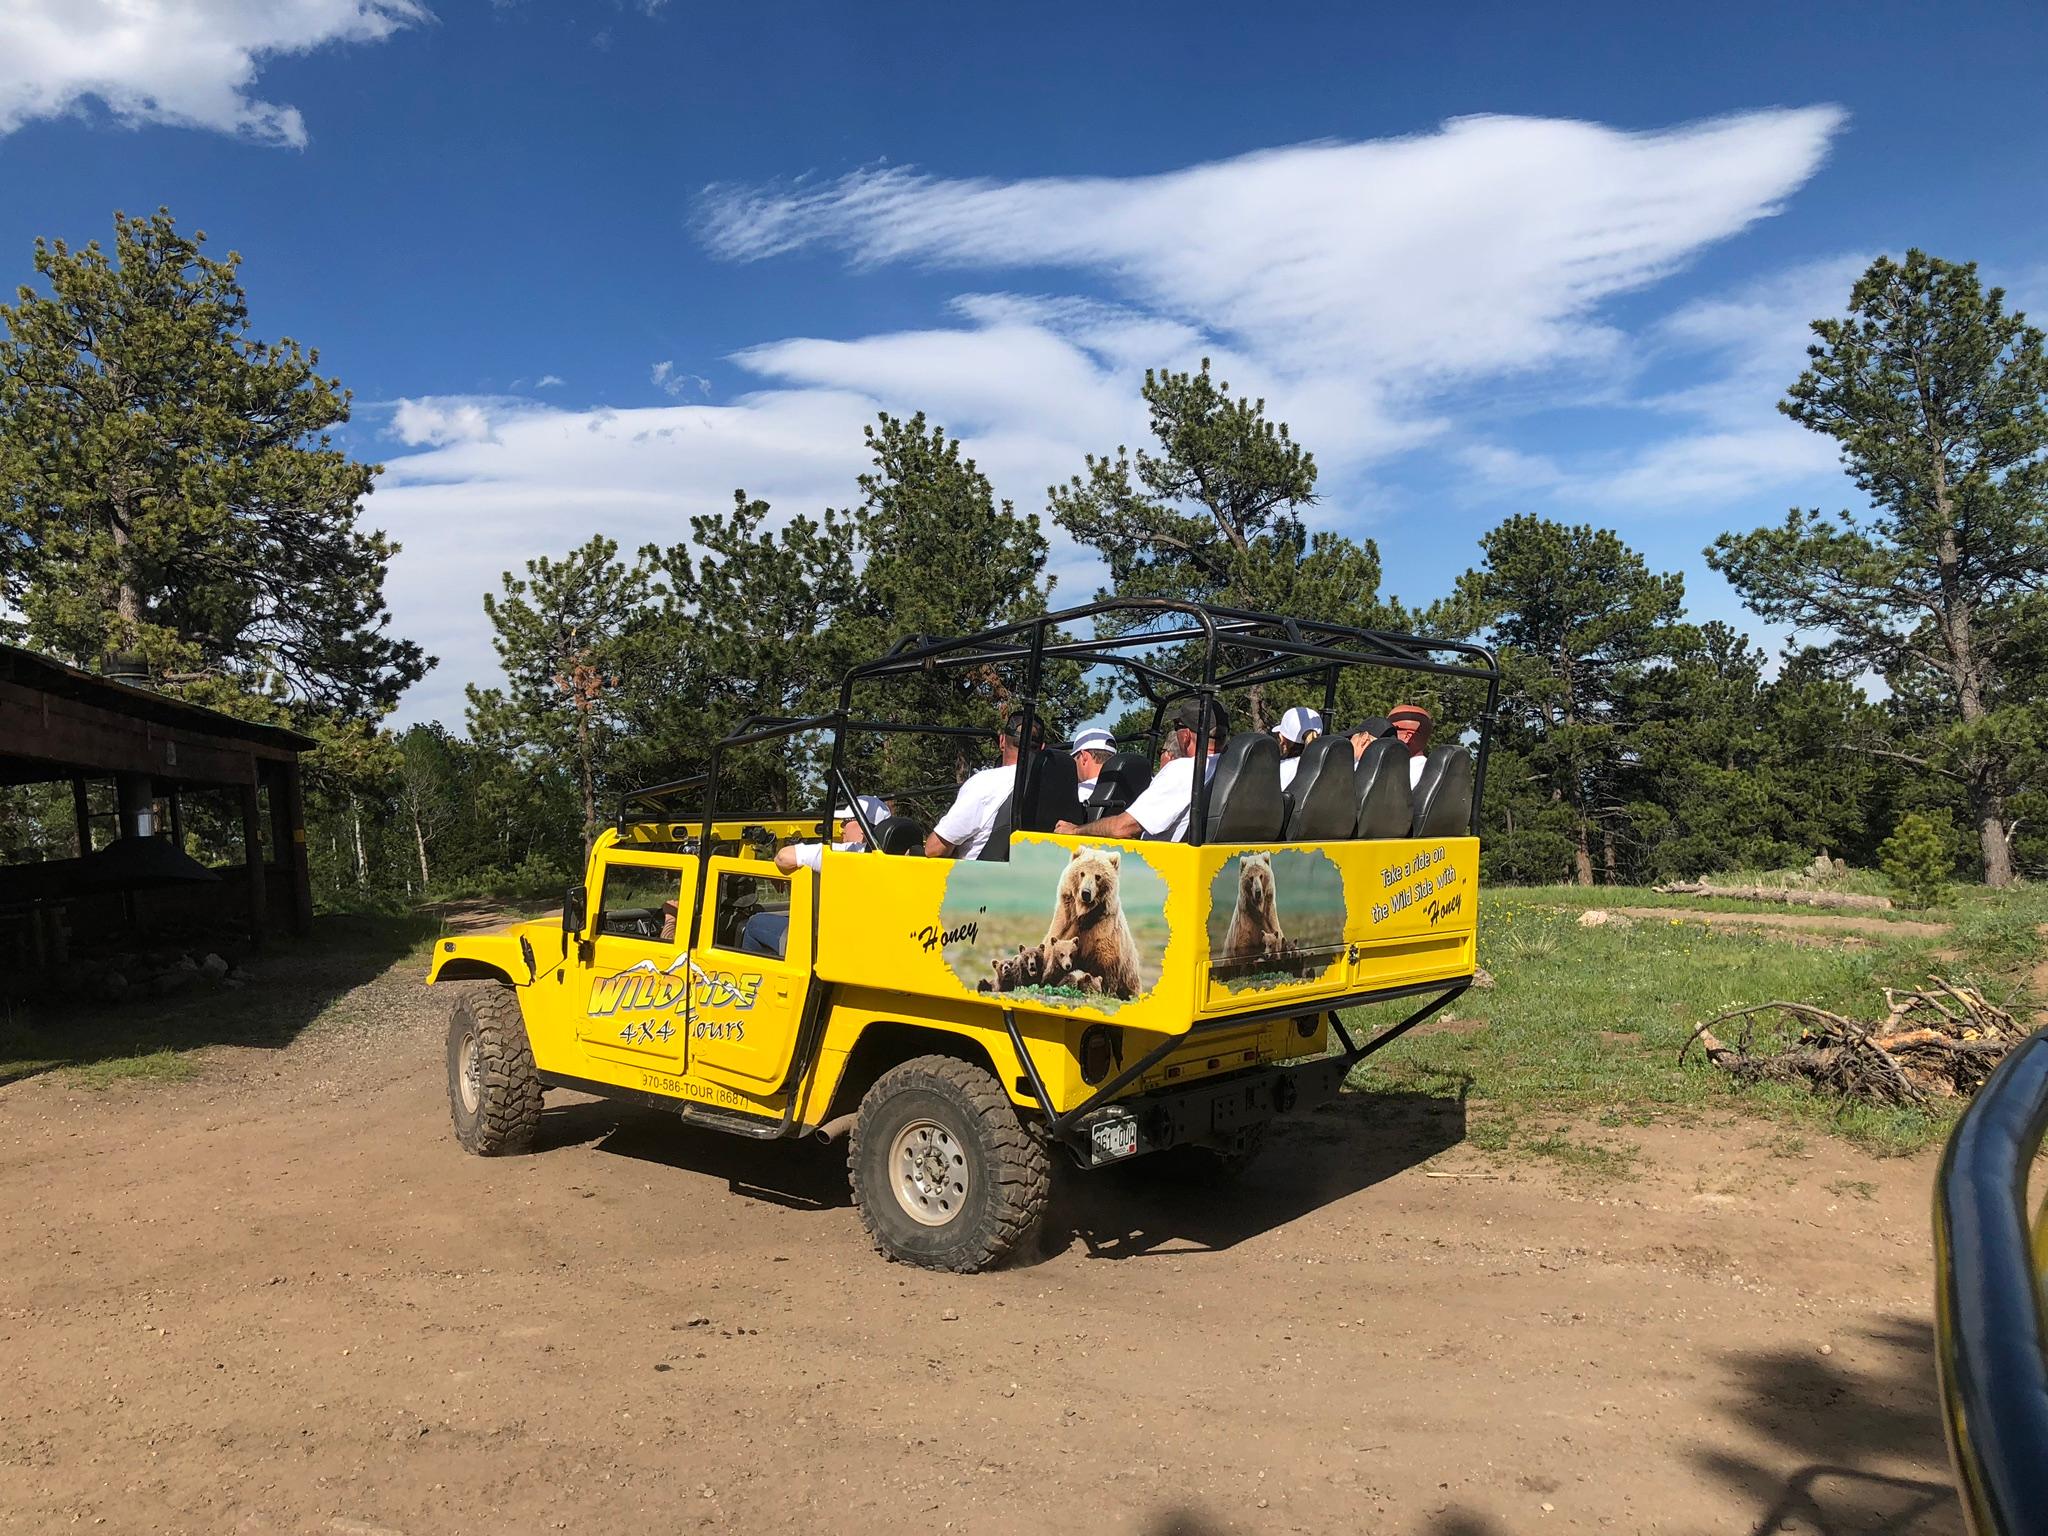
1076,992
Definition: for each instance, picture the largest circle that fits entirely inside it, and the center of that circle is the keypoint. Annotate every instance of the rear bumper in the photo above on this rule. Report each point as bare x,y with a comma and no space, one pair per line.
1215,1113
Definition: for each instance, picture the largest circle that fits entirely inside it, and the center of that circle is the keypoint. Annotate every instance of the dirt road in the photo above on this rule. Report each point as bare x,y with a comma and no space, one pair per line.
278,1299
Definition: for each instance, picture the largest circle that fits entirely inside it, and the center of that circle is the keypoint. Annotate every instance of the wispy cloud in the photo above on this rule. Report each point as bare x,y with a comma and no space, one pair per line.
550,381
664,377
1376,294
188,63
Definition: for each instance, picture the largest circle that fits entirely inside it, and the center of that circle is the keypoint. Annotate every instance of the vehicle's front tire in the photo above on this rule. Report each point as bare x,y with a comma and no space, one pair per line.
494,1091
944,1174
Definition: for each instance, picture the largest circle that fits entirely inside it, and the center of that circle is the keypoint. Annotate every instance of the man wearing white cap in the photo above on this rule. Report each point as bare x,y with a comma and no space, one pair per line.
811,855
1297,728
1091,749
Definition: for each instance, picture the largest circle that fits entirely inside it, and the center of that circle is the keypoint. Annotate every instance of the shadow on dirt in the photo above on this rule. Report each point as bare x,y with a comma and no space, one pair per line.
291,983
1309,1162
1120,1213
1865,1423
804,1175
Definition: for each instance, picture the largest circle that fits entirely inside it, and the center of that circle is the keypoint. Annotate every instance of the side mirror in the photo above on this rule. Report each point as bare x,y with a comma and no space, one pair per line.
575,911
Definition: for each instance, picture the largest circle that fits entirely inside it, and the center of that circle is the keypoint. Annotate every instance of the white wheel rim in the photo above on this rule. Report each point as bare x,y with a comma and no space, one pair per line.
928,1171
469,1073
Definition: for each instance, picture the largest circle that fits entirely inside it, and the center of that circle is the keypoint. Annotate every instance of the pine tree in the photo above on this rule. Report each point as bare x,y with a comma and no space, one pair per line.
170,492
1939,399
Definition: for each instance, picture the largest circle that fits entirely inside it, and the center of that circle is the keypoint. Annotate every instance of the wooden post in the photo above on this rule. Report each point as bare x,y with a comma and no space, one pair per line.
81,811
177,814
252,860
292,853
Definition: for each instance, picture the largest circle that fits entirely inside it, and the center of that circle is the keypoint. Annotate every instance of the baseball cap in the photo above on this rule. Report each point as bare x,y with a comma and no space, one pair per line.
1189,714
1374,726
1297,723
870,806
1094,739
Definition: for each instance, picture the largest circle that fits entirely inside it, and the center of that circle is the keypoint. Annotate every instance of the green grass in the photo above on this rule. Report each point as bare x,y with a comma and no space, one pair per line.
1593,1019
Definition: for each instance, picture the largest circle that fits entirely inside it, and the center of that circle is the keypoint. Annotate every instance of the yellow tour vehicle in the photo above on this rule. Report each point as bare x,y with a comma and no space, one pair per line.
1064,997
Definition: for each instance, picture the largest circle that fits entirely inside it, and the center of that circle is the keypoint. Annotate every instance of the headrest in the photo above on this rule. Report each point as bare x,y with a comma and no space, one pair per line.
1386,808
1122,780
899,835
1324,794
1051,792
1443,796
1245,803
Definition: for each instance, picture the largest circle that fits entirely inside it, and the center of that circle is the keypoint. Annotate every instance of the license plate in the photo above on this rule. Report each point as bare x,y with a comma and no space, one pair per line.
1113,1139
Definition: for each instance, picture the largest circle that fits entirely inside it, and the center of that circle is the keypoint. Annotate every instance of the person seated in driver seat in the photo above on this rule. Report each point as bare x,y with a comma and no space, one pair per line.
794,856
1161,812
964,829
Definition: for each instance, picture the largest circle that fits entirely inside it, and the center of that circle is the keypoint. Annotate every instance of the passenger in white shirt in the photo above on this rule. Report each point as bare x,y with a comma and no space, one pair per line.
963,830
1297,728
1161,812
1090,750
1412,724
852,840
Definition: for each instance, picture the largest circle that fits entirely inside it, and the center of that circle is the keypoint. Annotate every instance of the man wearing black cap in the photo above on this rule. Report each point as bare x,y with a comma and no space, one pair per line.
970,819
1366,732
1161,812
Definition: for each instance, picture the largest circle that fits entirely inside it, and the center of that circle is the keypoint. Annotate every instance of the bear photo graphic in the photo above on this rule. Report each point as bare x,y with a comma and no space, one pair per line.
1255,921
1276,918
1100,947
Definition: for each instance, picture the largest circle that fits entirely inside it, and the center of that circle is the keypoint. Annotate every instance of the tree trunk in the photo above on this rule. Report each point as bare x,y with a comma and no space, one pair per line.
1607,861
419,837
355,812
1994,838
1582,856
589,787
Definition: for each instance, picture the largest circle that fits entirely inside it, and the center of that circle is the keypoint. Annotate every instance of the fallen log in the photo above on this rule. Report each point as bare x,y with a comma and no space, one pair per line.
1935,1043
1791,896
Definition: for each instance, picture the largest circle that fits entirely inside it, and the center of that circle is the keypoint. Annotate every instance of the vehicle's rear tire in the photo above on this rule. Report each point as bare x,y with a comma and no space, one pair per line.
944,1174
494,1091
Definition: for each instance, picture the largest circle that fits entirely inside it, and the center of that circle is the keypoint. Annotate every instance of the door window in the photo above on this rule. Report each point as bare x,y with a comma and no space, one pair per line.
639,902
751,914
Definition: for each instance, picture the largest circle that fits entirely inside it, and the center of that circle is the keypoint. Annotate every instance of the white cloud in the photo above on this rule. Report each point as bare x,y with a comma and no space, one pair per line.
189,63
439,420
1482,247
1370,292
1739,351
550,381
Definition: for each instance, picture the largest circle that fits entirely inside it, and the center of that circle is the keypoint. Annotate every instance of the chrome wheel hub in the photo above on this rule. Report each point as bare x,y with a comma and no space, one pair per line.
928,1170
469,1073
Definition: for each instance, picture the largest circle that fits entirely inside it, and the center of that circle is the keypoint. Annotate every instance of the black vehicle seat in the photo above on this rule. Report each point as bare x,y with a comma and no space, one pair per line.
1051,792
1122,780
1245,803
899,835
1386,806
1443,797
1323,799
1051,795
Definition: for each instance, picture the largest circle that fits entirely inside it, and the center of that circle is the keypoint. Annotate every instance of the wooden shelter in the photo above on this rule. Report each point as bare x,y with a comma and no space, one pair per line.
61,724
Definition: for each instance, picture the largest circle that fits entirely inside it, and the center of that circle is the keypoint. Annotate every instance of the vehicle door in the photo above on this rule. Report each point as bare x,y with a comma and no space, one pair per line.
637,1006
752,971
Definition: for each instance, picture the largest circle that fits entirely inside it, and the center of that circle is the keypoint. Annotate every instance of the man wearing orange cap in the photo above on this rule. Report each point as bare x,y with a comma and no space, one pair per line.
1411,723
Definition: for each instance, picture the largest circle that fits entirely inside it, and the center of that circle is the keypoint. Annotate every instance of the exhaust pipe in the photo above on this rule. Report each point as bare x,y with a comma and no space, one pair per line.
835,1130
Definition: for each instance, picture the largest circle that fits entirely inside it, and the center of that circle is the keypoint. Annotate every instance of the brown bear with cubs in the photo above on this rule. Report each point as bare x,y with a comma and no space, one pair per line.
1088,945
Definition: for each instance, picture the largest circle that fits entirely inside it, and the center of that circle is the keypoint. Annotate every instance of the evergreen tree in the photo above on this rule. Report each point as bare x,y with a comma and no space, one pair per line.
168,489
559,634
1939,399
1576,616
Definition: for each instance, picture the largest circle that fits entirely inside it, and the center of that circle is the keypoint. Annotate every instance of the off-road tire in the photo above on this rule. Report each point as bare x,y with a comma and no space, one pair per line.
498,1111
1199,1167
1006,1173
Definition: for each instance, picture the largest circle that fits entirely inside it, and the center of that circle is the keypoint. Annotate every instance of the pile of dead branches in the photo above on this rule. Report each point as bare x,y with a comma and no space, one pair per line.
1931,1044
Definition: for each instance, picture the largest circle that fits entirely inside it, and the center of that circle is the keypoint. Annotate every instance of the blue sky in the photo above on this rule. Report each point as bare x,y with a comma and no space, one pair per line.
589,266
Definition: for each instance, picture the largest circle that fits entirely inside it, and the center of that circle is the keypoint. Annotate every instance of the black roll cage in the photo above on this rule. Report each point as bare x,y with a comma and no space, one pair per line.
1279,649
